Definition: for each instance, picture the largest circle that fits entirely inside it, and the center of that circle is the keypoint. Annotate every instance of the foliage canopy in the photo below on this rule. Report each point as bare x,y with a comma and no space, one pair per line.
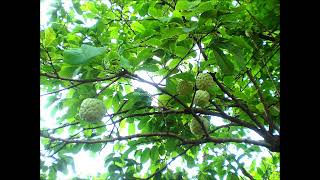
236,42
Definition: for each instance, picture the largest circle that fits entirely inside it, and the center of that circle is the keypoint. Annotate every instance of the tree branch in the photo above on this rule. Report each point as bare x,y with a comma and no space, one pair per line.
161,134
113,81
263,101
120,74
244,108
69,87
50,60
131,75
224,126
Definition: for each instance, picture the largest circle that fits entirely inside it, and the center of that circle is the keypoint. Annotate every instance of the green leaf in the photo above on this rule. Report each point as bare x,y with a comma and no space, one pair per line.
240,42
50,101
144,9
62,167
69,71
154,153
181,51
260,172
186,5
190,161
108,159
83,55
185,76
144,54
131,129
145,155
260,107
154,42
70,161
113,168
136,26
154,12
171,145
170,32
76,148
204,6
150,68
49,36
76,6
224,63
52,173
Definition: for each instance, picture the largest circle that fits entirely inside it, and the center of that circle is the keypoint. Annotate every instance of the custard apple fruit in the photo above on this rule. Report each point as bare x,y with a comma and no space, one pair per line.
163,100
204,81
196,128
201,98
92,110
184,88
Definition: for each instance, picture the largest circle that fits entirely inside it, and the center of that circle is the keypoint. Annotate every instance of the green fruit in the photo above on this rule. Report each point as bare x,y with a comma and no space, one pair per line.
184,88
92,110
204,81
163,100
196,128
201,98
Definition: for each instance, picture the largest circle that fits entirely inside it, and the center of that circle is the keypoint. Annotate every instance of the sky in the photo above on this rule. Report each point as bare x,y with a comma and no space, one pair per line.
85,163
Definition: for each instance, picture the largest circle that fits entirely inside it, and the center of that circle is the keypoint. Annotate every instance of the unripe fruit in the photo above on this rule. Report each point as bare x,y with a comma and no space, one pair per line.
184,88
201,98
92,110
204,81
196,128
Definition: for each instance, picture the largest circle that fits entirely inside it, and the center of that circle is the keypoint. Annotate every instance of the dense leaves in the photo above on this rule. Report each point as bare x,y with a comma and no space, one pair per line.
132,55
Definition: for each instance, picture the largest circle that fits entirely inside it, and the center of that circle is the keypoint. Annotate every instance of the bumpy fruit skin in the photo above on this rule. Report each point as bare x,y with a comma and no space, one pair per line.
92,110
184,88
204,81
201,98
196,128
163,100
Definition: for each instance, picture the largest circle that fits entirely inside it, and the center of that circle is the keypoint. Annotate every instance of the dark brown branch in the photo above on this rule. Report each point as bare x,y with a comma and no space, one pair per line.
120,138
69,87
131,75
263,67
246,173
263,101
64,125
113,81
161,134
244,108
60,148
224,126
201,49
50,60
253,17
122,73
111,118
236,140
238,121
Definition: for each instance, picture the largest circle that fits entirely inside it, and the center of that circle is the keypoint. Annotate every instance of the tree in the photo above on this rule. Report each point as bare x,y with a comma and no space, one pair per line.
235,42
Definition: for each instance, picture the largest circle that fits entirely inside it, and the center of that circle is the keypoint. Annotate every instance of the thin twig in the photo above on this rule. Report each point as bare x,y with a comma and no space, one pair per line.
69,87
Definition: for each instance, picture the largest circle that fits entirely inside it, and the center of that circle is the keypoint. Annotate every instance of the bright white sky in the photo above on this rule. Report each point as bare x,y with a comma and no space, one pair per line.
85,163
